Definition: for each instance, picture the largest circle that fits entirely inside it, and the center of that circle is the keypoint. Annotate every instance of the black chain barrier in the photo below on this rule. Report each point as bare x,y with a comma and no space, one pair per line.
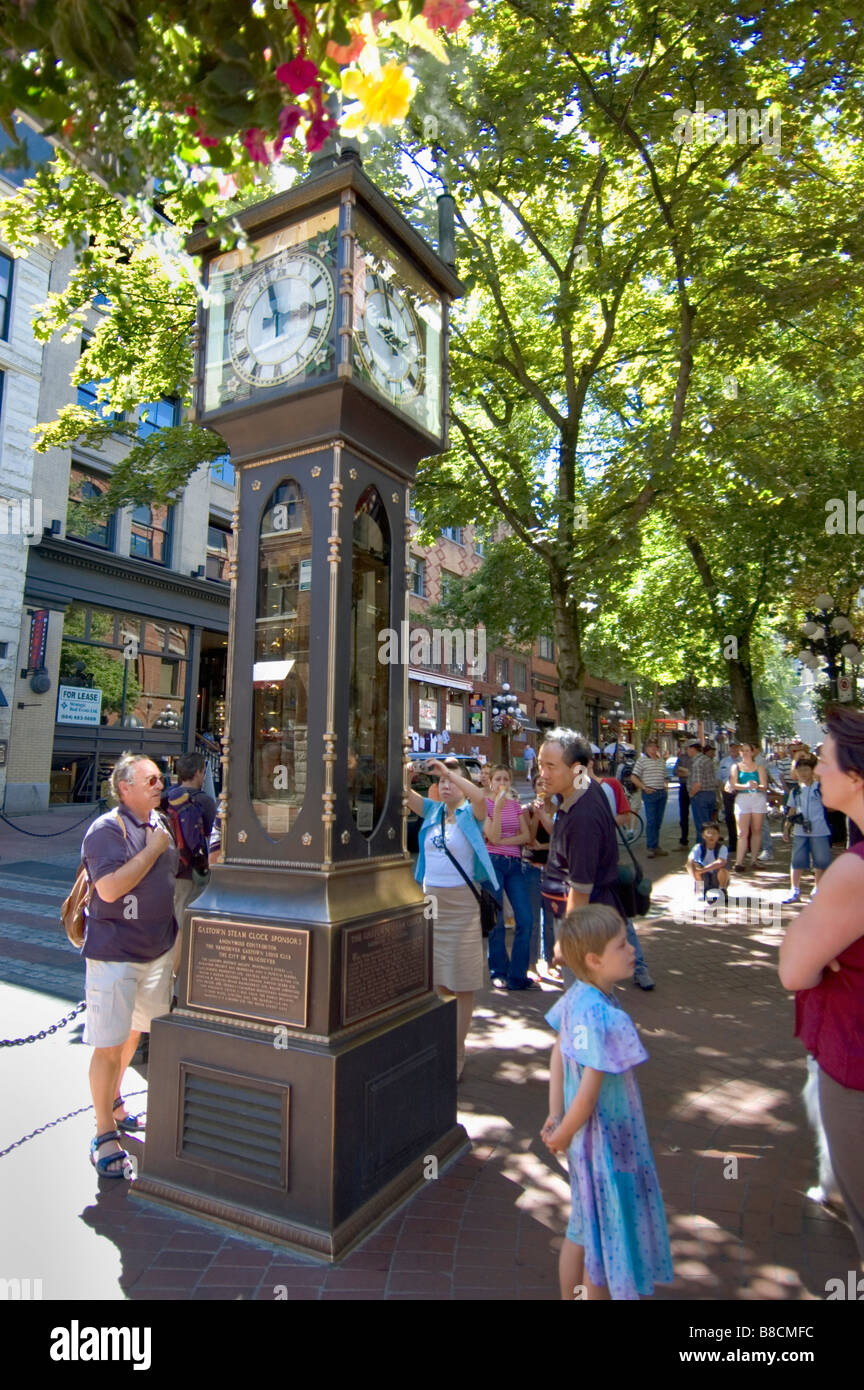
46,1032
59,1121
51,834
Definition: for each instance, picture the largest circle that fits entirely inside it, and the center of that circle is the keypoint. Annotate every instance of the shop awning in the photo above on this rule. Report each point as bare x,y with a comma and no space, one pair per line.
453,682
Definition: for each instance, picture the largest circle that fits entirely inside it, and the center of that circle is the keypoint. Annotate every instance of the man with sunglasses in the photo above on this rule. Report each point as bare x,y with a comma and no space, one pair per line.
132,860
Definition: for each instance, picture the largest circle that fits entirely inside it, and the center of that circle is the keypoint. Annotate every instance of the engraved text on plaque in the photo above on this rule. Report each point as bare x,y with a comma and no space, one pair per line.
383,964
258,972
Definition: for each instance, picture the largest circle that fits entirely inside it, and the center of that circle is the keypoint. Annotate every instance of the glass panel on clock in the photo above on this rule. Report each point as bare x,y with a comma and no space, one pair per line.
397,328
281,669
271,318
367,697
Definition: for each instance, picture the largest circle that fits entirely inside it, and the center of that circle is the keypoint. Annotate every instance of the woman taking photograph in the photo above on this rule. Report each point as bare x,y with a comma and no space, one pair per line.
750,785
541,818
452,830
822,959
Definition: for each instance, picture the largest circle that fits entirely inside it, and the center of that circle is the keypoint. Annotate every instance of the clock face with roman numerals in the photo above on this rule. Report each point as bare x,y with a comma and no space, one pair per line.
389,340
280,318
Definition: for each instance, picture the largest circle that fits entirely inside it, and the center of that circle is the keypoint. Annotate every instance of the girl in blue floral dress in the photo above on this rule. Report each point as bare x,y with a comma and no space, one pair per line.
617,1245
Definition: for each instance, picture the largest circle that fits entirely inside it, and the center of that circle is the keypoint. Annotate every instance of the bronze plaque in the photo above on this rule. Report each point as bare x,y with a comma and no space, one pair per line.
384,963
258,972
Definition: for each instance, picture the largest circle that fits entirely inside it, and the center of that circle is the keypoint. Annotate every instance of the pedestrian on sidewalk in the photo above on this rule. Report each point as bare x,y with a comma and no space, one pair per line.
724,771
620,808
750,785
822,959
682,772
452,831
649,776
541,818
703,787
617,1243
131,860
196,814
811,833
506,831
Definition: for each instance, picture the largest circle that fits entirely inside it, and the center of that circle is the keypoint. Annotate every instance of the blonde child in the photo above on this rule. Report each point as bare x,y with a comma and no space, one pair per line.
616,1244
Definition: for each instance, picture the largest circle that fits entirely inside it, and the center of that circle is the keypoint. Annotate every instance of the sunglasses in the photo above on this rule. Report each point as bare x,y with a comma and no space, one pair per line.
152,782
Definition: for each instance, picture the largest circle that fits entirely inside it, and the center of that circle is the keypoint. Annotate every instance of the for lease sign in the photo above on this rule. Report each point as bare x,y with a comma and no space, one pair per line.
76,704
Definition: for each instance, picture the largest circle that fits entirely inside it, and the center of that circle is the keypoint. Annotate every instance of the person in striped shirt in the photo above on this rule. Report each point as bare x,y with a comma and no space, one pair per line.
649,775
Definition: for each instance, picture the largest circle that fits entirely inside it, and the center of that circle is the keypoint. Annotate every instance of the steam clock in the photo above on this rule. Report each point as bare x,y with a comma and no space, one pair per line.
307,1075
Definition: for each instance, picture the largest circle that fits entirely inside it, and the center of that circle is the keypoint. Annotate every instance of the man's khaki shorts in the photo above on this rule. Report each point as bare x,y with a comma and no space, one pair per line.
124,996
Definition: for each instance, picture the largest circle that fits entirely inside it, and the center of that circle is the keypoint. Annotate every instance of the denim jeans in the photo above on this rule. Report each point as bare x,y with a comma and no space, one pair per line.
702,805
534,878
684,812
654,806
513,880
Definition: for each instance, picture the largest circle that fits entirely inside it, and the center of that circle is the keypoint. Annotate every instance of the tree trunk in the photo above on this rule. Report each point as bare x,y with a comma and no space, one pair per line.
571,668
743,699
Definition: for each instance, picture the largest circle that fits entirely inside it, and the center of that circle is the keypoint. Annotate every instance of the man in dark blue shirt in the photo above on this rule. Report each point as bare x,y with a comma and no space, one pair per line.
131,860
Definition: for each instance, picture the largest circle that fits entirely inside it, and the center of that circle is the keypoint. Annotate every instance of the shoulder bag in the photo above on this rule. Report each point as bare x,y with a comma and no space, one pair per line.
489,904
73,909
634,887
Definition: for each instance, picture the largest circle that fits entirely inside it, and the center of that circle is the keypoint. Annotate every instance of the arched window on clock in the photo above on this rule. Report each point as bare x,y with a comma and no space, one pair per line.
367,708
281,660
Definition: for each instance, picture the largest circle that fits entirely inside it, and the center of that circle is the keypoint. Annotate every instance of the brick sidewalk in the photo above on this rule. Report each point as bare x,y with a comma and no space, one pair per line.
721,1089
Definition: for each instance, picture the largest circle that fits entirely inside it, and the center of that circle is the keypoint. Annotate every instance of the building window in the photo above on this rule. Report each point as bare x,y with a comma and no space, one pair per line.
138,663
415,515
84,485
453,533
5,294
217,552
479,542
222,469
502,669
456,716
87,395
151,533
427,706
450,585
158,415
520,675
545,648
418,576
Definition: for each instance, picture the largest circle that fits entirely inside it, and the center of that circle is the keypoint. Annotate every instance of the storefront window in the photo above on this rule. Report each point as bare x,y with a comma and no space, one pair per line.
123,655
455,718
370,613
281,670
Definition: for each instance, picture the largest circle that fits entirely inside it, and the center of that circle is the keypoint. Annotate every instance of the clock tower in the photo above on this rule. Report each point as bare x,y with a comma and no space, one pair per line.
308,1074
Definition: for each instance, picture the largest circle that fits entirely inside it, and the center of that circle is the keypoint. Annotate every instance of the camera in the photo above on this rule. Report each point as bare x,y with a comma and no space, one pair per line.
797,818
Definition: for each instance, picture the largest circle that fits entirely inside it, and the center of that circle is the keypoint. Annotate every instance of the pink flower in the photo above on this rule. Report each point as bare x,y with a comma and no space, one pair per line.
227,186
208,141
318,129
289,119
298,75
253,139
191,110
446,14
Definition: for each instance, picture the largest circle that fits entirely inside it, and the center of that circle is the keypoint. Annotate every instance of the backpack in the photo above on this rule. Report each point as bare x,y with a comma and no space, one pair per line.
185,817
73,909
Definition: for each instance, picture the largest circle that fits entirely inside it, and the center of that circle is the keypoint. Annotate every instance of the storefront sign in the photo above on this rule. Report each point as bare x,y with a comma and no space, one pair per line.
38,639
76,704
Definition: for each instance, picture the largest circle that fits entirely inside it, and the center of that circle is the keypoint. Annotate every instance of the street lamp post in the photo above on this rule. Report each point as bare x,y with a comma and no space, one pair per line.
506,719
827,634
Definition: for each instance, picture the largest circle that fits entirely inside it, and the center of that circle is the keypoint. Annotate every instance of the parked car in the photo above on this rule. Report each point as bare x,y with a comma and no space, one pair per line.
423,780
670,765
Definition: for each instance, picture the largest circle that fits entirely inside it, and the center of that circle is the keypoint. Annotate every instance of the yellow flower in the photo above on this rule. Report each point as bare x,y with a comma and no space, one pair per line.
381,98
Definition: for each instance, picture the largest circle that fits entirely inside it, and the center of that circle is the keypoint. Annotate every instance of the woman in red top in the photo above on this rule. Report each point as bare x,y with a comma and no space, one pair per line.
822,959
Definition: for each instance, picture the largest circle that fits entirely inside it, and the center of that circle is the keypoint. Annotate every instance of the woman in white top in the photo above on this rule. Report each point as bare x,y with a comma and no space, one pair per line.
750,785
454,821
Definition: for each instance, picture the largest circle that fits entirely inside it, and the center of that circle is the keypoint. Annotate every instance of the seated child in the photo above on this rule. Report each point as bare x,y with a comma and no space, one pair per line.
707,862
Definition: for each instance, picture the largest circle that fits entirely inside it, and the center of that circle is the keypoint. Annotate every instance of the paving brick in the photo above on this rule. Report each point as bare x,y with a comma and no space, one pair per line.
416,1282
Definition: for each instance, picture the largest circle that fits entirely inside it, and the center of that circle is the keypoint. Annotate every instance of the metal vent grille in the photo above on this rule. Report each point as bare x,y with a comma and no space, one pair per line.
235,1128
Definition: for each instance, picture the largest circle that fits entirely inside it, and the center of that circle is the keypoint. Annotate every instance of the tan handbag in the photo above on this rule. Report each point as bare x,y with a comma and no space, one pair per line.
72,911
